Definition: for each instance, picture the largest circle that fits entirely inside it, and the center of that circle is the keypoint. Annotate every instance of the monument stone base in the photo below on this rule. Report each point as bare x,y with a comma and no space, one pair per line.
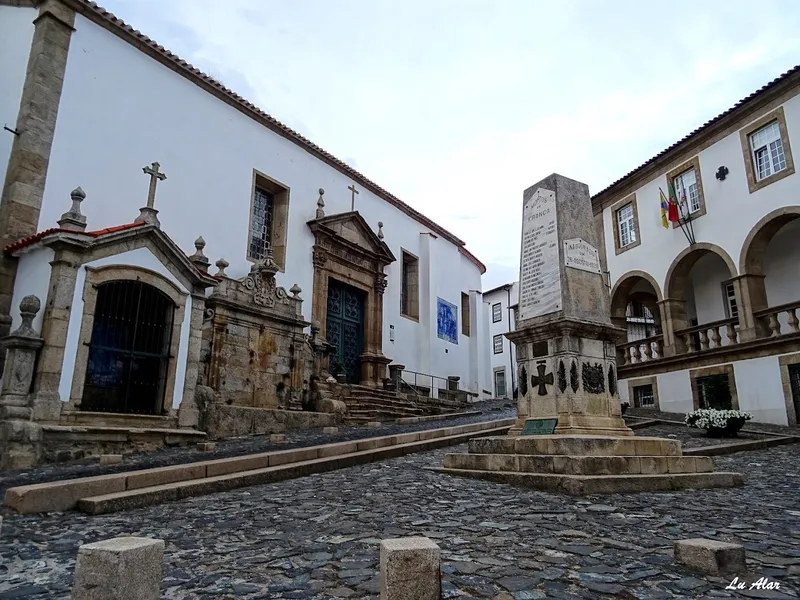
580,465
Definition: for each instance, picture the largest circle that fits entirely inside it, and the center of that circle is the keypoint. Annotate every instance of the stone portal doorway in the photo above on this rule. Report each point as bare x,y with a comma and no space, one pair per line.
344,328
129,351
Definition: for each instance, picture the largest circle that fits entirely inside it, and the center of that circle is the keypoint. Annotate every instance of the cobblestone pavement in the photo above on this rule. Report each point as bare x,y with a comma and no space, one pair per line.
492,410
317,537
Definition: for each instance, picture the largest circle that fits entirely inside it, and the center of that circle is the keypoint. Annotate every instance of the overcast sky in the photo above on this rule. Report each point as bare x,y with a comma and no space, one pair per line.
456,106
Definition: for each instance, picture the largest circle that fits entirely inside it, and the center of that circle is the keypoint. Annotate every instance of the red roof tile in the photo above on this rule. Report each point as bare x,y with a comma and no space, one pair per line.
38,237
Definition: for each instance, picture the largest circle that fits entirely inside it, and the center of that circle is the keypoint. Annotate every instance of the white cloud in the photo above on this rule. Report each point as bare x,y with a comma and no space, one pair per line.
456,106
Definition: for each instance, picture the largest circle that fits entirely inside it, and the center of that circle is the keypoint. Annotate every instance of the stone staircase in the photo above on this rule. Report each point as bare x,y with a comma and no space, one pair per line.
367,404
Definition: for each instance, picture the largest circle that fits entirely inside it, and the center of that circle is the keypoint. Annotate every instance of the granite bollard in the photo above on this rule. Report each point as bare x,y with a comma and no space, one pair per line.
711,557
124,568
410,569
330,430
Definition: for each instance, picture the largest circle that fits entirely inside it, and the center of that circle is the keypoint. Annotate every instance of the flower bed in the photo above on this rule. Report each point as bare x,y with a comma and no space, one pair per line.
717,423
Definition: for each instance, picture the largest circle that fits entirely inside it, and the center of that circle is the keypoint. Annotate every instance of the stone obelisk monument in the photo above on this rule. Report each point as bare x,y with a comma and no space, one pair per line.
570,436
566,358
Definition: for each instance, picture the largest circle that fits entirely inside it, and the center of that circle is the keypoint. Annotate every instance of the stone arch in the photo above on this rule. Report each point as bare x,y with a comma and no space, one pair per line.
751,258
95,278
621,292
678,273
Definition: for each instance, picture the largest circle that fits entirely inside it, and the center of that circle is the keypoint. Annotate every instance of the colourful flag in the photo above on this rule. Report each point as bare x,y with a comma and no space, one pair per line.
673,214
664,209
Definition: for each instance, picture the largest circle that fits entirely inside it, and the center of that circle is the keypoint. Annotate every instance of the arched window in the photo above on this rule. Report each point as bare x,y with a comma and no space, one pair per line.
129,351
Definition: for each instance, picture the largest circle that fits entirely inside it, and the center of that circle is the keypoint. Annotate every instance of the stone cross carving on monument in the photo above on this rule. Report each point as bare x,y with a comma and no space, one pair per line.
353,189
541,379
148,214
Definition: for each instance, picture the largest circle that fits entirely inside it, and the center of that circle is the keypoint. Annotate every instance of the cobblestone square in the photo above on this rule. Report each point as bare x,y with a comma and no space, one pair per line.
318,536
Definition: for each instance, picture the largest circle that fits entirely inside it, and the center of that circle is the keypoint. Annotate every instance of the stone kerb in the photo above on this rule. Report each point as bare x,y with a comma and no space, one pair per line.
410,569
125,568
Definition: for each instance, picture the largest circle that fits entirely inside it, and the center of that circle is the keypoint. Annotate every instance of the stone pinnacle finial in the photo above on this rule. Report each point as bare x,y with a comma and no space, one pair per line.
295,290
321,204
28,308
222,264
380,230
198,258
73,220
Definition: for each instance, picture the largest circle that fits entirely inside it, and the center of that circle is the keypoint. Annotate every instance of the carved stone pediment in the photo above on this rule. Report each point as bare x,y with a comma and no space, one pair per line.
259,290
350,238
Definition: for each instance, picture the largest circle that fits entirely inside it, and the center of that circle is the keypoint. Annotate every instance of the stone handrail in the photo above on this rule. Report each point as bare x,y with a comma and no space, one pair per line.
772,317
709,334
643,350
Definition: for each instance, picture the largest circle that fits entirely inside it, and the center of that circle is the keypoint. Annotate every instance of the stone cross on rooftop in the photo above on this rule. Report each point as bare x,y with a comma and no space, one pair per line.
155,177
353,189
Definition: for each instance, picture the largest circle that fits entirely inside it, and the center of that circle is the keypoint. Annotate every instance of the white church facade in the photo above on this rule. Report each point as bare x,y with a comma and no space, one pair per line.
93,102
717,288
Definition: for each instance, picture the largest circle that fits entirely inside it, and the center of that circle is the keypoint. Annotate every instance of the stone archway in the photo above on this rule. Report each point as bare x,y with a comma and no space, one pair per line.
349,258
674,312
632,287
623,288
751,265
751,258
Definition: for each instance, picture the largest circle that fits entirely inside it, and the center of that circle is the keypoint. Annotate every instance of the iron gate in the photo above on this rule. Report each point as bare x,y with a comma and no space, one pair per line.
129,349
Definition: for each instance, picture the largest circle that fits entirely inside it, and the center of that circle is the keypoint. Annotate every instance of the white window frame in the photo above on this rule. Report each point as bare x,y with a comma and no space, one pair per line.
767,151
729,299
495,345
627,226
686,183
497,312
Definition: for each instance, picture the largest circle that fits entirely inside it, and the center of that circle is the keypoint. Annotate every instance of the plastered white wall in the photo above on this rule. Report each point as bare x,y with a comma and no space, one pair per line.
33,278
121,110
760,391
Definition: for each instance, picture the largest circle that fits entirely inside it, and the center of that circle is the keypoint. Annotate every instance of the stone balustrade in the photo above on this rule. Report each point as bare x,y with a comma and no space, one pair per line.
772,318
643,350
709,335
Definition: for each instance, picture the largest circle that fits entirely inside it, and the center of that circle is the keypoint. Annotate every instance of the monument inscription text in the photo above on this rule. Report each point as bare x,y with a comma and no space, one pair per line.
540,275
580,254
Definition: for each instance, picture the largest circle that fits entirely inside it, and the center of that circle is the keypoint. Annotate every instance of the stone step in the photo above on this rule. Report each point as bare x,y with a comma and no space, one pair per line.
577,445
103,419
580,465
585,485
64,495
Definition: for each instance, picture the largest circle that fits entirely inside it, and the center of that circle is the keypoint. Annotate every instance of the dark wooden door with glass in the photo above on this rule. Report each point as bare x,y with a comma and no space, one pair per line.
344,330
129,349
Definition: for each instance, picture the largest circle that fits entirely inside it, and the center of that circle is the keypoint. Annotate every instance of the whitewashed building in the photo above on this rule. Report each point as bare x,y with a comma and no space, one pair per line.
500,303
89,101
722,284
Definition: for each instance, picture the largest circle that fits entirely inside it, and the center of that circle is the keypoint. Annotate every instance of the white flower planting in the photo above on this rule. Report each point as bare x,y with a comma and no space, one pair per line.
707,418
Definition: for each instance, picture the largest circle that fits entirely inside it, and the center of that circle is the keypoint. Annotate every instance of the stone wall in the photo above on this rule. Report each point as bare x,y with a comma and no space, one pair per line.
255,353
224,421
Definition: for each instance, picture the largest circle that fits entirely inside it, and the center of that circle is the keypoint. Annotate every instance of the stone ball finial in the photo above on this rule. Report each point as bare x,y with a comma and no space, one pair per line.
380,230
295,290
198,258
78,195
315,325
28,309
320,204
73,220
222,264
